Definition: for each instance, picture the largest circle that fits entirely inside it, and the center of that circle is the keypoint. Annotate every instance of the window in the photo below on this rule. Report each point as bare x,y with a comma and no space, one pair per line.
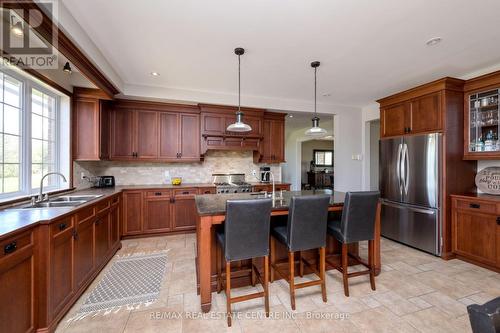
30,128
323,158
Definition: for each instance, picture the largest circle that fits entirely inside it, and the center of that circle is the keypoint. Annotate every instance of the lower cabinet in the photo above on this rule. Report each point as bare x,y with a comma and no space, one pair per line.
476,231
101,236
84,245
61,264
157,212
114,223
17,283
269,187
160,210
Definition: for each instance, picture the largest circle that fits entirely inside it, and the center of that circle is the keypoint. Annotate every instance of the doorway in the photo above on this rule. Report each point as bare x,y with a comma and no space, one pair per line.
374,154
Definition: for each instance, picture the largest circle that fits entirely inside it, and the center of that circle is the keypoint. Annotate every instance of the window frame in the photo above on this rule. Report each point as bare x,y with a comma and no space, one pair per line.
322,151
26,188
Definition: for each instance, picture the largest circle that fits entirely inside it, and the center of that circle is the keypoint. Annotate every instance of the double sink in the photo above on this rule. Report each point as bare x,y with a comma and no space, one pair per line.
62,201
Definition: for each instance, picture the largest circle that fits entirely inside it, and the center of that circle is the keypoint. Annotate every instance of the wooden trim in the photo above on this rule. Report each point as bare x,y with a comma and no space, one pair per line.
447,83
47,81
155,106
91,93
274,115
482,82
67,47
214,108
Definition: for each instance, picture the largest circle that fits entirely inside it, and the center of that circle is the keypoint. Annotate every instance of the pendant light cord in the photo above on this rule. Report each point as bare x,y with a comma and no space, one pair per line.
239,83
315,69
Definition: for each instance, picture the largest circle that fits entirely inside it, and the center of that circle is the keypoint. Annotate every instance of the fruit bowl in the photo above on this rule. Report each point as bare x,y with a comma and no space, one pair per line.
176,180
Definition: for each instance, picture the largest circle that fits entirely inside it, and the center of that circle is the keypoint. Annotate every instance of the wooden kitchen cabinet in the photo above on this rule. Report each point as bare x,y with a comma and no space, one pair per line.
392,120
476,230
132,212
61,264
17,283
179,138
84,249
114,222
419,115
169,136
90,125
184,212
146,135
158,211
101,232
122,134
269,187
273,142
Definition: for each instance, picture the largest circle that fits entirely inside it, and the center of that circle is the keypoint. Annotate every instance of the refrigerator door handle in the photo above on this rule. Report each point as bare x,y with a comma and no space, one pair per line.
398,169
415,209
406,162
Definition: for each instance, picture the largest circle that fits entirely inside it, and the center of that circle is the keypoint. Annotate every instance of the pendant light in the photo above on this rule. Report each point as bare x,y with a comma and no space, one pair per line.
239,125
315,130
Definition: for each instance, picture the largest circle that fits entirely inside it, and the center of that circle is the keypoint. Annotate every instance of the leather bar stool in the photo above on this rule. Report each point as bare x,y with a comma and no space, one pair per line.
305,230
245,235
356,224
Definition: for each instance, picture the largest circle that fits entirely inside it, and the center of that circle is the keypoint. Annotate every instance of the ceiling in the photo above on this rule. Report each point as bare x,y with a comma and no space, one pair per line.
368,49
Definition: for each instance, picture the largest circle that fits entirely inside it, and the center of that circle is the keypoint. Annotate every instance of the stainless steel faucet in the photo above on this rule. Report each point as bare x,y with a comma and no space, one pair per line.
273,196
40,195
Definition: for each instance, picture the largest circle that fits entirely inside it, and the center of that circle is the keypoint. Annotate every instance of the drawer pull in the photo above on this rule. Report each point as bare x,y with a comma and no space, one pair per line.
97,222
62,226
157,193
185,192
498,220
475,205
207,192
9,248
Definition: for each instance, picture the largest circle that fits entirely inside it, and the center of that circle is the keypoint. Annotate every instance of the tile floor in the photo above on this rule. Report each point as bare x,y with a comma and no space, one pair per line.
416,292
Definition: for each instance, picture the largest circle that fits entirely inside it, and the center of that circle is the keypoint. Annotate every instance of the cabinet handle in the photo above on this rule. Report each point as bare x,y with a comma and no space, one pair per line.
75,235
172,200
207,192
62,226
474,205
185,192
157,193
97,222
180,155
9,248
498,220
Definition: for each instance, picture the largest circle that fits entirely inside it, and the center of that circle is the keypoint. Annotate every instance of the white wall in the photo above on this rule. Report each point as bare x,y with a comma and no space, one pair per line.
374,154
368,113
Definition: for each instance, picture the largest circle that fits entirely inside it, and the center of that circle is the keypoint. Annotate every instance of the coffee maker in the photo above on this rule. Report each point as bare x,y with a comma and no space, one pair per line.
265,176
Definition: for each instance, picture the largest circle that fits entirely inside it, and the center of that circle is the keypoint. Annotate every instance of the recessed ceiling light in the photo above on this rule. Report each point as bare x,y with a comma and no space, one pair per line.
326,94
155,74
290,115
433,41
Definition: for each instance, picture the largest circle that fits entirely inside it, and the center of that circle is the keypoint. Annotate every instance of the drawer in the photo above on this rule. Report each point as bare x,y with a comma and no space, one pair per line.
477,205
185,191
15,243
282,187
206,190
158,193
102,205
61,226
85,213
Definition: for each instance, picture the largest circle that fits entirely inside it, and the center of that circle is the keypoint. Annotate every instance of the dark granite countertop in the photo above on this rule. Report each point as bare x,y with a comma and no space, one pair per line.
14,219
215,204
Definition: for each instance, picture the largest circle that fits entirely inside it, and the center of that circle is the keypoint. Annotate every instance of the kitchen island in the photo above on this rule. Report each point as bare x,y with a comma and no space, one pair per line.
211,210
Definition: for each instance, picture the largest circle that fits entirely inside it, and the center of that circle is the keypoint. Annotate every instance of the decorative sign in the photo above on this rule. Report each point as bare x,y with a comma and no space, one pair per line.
488,180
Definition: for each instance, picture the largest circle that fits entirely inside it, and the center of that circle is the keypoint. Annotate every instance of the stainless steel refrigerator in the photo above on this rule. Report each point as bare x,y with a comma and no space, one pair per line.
409,186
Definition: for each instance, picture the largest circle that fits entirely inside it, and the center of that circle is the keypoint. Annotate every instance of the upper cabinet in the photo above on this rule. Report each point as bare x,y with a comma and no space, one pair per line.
481,117
128,130
154,132
419,110
272,148
90,123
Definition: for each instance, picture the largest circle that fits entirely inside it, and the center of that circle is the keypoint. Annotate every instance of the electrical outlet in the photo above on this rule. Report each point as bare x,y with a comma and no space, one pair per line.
82,175
254,173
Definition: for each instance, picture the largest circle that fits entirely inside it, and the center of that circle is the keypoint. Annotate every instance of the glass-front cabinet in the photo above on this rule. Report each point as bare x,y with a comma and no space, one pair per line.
482,125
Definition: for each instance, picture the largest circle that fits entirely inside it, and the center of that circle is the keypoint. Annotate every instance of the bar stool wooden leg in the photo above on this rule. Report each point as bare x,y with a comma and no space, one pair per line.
219,268
371,257
301,265
272,254
253,271
291,262
322,272
228,293
344,269
266,285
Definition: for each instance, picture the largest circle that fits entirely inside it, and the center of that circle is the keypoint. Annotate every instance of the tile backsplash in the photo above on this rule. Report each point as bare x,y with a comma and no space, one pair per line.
138,173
